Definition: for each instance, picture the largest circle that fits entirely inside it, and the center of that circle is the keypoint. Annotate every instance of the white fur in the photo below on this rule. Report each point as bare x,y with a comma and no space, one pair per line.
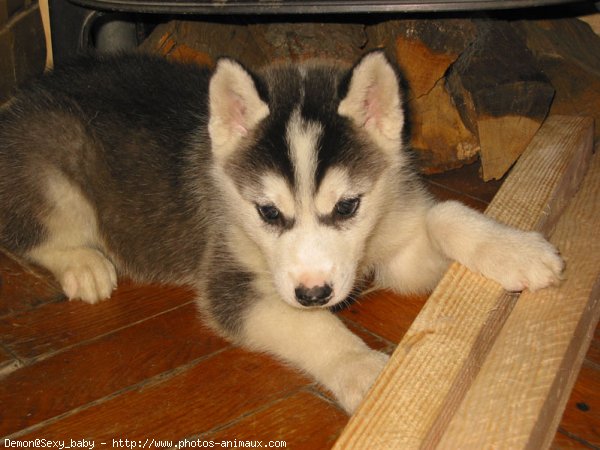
309,258
72,252
318,343
374,101
406,260
312,253
302,139
404,238
516,259
336,185
400,235
277,192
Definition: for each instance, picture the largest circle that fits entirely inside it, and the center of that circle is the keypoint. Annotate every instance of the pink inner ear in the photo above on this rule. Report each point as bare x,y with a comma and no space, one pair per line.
237,114
372,107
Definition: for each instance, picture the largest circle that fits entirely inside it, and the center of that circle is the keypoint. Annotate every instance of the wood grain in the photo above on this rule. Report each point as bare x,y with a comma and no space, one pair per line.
467,181
53,327
594,351
526,380
441,193
23,287
302,421
369,337
114,362
8,363
188,402
582,413
373,310
502,141
565,442
430,372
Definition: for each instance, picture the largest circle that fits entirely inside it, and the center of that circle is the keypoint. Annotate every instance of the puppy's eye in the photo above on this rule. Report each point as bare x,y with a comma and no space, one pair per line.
269,213
347,207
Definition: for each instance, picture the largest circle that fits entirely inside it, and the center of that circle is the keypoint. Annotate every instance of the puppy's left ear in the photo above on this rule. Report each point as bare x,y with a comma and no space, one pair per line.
374,102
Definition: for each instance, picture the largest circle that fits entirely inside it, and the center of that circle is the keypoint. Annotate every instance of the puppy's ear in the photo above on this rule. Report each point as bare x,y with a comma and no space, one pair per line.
373,100
235,107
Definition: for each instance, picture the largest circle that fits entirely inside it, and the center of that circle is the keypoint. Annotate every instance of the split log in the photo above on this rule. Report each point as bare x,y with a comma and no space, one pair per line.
501,94
432,370
298,41
438,133
204,42
257,44
568,52
475,87
593,20
425,50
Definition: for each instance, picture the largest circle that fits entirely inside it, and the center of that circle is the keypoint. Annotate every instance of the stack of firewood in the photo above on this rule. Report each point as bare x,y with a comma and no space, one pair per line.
478,88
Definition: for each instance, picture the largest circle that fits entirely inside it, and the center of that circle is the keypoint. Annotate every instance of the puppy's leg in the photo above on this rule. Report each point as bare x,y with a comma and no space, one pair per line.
317,342
417,264
70,249
516,259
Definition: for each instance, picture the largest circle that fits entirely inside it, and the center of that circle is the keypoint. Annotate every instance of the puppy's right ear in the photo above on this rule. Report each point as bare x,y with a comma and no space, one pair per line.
235,107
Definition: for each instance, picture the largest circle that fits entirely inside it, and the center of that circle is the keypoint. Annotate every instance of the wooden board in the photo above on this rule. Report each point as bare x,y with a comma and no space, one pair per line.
519,395
302,420
97,369
45,13
429,374
42,331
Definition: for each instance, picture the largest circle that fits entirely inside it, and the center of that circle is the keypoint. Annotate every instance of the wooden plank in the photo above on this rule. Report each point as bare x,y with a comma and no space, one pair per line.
593,354
8,363
54,327
303,420
519,395
103,367
227,386
373,312
45,13
417,394
24,287
582,413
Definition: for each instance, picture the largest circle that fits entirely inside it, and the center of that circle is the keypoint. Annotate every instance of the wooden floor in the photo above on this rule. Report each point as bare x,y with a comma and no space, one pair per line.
141,366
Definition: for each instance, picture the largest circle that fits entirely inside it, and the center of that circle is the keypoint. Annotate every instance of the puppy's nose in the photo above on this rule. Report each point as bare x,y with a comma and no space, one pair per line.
314,296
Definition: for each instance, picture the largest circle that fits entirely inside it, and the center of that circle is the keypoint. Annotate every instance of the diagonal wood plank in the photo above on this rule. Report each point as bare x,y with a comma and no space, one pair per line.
430,372
518,397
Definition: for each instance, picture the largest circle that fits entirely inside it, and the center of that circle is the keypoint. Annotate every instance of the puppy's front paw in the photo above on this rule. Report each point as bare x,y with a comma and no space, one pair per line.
522,260
87,275
355,375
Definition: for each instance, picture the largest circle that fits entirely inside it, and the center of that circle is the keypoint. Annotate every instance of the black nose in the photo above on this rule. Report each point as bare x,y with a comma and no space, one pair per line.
314,296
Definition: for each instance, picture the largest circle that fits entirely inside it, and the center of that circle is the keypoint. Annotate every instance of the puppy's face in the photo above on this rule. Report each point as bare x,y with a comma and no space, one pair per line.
307,168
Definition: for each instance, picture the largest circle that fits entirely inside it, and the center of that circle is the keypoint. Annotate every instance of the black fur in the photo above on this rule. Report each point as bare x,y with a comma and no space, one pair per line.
130,132
121,129
316,96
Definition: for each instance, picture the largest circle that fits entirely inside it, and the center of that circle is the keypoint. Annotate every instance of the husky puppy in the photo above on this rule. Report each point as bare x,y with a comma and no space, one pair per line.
274,194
